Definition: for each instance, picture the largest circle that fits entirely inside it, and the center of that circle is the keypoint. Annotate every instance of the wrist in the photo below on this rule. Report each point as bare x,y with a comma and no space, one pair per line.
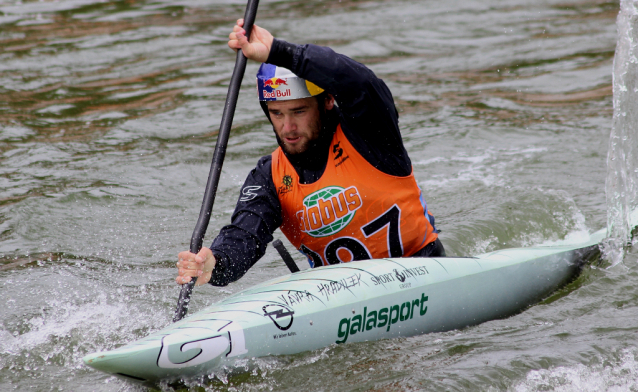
281,53
209,264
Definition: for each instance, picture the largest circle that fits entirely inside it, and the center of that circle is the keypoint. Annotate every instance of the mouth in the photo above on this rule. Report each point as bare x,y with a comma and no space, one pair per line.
292,140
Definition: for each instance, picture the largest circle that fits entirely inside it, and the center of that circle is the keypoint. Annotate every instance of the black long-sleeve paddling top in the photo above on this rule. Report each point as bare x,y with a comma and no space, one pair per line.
369,120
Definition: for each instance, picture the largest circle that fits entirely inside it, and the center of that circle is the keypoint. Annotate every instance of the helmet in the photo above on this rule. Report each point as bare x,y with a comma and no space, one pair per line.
280,84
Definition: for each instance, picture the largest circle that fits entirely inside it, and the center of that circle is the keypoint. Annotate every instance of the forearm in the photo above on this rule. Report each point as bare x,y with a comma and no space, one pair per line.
355,87
257,215
359,93
238,247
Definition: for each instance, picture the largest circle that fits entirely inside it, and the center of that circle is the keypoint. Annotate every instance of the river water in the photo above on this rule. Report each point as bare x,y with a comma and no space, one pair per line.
108,118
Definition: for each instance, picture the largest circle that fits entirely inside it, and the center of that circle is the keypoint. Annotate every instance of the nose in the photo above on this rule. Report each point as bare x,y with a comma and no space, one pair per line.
289,124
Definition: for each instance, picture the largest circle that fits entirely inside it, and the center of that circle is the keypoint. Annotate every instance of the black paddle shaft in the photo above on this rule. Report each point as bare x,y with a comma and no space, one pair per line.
290,262
218,159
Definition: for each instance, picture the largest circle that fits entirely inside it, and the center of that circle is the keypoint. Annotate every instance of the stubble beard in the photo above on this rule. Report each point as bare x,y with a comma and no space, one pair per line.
305,145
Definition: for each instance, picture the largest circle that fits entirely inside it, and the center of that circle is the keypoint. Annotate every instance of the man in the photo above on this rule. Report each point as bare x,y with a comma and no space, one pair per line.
340,186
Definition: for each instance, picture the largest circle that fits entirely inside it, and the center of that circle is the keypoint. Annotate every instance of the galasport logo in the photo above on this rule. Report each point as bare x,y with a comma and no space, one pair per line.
272,88
280,315
328,210
382,318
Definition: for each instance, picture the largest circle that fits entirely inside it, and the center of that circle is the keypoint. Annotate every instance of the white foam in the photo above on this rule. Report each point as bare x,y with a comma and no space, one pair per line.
620,375
64,322
572,238
426,162
633,218
96,318
7,341
486,166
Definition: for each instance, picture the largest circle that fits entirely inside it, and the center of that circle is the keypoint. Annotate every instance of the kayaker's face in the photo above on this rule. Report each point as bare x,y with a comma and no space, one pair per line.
297,122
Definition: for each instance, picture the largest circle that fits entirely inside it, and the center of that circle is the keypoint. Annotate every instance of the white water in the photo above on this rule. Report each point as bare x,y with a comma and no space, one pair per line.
618,375
622,160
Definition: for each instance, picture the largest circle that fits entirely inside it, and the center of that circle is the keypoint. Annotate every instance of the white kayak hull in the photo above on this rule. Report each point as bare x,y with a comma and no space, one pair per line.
352,302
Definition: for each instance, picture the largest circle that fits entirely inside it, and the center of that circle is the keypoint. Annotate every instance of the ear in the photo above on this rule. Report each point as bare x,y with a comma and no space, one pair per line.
329,103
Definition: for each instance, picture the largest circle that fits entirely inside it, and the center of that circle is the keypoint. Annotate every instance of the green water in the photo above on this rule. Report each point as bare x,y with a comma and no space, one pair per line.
108,119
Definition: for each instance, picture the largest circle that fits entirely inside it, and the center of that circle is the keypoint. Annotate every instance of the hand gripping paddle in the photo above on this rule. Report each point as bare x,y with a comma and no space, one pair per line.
218,160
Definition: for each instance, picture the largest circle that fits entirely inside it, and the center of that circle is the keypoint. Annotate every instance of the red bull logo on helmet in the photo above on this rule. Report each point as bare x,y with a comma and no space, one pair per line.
280,84
275,88
274,83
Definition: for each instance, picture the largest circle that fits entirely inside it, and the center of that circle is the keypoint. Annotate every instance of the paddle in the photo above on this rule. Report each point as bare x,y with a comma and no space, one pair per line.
290,262
218,160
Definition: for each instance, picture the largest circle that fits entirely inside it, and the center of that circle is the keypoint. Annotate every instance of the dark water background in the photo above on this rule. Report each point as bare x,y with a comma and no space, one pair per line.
108,118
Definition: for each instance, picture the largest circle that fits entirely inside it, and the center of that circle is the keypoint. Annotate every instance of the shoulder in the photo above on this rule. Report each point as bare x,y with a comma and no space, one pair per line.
261,174
259,183
382,148
264,162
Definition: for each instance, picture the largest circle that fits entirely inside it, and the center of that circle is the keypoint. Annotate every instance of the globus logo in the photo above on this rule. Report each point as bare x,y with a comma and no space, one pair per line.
328,210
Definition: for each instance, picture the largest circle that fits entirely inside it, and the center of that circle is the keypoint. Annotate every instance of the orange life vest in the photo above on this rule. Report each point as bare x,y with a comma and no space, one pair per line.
353,212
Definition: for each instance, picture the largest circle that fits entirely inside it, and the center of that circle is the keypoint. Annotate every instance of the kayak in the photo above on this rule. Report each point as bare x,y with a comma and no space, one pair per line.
352,302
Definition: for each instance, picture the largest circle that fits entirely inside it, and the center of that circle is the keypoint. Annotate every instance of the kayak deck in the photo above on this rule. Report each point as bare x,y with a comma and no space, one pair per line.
352,302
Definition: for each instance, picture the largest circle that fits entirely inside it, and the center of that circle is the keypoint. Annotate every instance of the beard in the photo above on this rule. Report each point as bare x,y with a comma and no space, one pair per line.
313,155
315,132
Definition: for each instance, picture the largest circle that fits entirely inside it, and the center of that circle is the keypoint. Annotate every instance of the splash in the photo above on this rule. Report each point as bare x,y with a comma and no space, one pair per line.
622,161
613,374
